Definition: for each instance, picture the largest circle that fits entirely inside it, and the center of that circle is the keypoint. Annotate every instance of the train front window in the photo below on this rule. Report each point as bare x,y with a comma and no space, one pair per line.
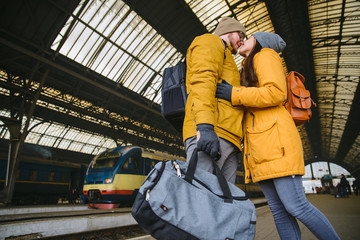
105,162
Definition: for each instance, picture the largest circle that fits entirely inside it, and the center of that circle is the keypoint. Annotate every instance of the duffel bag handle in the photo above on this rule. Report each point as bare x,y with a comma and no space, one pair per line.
189,176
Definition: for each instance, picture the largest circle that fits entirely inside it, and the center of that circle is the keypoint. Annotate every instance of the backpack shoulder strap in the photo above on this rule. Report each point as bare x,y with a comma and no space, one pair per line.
225,46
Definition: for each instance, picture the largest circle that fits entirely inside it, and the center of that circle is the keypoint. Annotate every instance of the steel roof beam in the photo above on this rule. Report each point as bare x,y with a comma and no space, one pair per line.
352,127
144,141
180,29
337,72
76,75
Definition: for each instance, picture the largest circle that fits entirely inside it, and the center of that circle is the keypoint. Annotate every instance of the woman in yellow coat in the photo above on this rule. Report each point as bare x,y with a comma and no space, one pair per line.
273,154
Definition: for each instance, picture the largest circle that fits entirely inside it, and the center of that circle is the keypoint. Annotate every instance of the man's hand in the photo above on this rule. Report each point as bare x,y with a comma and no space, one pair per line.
207,140
224,90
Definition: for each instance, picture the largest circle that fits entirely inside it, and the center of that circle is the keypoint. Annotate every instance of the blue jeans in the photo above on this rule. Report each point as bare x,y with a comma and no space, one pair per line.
287,202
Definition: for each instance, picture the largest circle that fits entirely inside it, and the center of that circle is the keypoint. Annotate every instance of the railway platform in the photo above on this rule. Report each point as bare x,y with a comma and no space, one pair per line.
343,213
47,221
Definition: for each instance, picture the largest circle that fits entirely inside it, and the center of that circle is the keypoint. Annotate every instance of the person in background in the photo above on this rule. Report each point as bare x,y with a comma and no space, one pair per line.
211,125
273,154
73,195
344,186
81,195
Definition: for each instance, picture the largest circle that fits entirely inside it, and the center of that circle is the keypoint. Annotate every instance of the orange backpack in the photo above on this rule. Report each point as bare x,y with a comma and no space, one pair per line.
298,101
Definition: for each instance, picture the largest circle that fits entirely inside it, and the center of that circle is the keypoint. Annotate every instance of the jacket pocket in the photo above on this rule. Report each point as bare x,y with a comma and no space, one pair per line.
230,118
264,142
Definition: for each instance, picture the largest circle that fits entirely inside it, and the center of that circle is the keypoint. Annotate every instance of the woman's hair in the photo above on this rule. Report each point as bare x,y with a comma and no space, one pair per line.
248,76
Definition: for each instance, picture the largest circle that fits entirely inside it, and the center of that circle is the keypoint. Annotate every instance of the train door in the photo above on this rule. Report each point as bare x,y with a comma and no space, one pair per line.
132,165
149,164
132,172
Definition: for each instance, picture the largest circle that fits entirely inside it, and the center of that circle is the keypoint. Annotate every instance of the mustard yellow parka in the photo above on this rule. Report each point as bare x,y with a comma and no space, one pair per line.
206,66
272,144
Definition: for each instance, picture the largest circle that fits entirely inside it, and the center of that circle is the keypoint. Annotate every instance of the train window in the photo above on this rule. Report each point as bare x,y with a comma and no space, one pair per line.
132,163
63,177
51,177
106,162
18,174
33,175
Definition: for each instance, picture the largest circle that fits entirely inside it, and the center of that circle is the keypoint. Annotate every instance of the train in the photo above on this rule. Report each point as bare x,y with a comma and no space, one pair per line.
113,177
41,183
42,178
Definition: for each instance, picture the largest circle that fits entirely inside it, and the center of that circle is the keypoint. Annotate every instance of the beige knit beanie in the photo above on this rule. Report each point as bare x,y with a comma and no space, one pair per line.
228,25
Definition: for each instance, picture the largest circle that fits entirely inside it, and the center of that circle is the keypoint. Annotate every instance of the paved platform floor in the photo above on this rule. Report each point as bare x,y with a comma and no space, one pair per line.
343,213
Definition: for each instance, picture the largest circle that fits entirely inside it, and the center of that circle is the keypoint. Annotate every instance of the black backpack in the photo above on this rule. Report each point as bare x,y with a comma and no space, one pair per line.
173,94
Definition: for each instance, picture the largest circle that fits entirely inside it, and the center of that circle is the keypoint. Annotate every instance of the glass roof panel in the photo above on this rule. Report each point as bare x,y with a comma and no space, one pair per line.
336,58
114,41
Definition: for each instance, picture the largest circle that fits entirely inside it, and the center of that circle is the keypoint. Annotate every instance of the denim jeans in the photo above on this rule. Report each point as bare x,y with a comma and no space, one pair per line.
287,202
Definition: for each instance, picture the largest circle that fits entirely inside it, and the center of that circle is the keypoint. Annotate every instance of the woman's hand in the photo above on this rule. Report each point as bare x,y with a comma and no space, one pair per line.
224,90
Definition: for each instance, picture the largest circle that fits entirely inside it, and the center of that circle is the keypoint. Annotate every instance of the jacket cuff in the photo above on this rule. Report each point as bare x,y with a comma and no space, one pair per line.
235,96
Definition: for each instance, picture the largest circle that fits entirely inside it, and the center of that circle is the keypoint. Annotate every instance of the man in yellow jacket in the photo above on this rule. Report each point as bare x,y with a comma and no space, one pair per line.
212,125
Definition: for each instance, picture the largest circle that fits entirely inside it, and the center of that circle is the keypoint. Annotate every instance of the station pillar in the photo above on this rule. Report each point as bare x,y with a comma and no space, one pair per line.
14,127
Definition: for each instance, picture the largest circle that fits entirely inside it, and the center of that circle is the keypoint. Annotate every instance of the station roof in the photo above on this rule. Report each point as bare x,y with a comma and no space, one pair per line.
99,66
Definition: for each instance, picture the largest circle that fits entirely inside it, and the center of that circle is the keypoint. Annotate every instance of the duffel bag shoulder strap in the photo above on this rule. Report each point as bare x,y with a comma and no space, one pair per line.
157,178
189,176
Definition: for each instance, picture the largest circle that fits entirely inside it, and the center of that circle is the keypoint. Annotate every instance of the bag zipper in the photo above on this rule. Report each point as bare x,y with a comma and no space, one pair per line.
179,171
147,197
177,167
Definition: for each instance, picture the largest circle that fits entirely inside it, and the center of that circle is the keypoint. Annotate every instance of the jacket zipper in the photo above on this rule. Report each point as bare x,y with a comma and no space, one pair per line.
252,114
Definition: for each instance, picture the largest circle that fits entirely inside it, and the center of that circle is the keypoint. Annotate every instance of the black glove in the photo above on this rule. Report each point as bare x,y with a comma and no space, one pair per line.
208,140
224,90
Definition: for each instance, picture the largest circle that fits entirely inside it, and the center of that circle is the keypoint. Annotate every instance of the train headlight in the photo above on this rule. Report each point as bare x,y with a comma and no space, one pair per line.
109,180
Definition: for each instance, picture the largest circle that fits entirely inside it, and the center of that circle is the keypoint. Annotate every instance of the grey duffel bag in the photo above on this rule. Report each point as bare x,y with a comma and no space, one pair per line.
181,202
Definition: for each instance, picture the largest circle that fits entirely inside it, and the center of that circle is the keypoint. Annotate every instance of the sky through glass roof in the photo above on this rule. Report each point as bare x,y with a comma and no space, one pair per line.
111,39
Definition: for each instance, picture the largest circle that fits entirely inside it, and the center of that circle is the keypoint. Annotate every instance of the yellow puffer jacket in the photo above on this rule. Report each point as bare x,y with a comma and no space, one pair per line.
206,66
272,142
